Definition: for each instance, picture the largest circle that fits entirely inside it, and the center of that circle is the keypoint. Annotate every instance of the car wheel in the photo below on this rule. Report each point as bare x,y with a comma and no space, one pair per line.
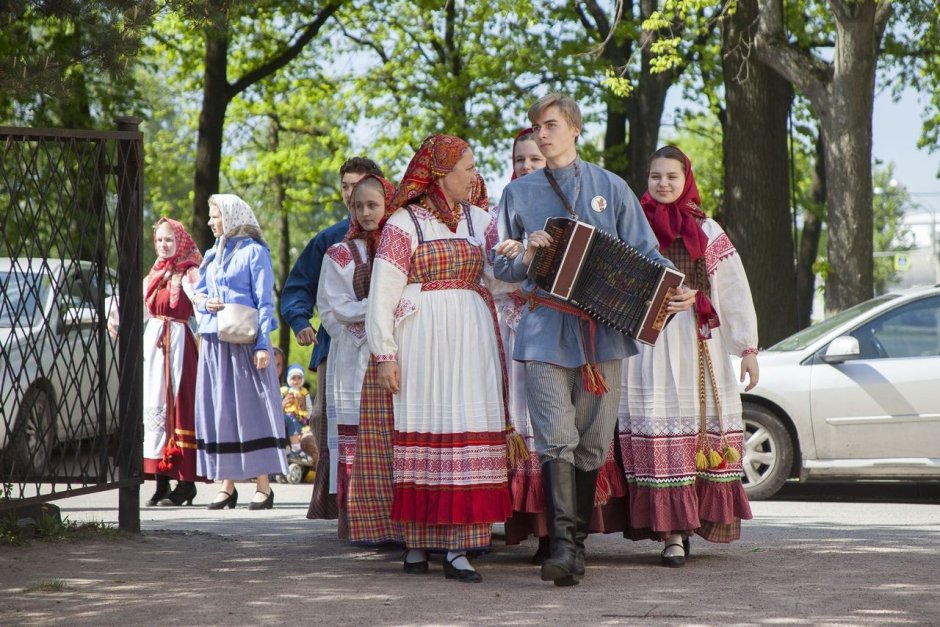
768,452
33,435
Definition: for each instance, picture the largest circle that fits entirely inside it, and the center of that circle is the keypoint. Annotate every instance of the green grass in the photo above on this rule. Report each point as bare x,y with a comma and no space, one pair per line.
49,585
53,530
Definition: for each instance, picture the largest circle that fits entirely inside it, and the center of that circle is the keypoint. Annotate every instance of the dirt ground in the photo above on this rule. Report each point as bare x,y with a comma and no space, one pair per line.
798,563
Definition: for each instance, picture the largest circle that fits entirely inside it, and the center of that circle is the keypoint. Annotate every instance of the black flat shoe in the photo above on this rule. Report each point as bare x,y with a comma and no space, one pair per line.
229,502
267,503
183,493
466,576
416,568
672,561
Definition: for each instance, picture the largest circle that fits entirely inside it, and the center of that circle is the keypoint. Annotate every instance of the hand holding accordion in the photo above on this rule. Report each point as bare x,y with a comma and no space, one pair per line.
606,278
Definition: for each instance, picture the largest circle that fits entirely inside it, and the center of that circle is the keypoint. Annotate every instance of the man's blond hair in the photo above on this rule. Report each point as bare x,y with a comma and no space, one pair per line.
566,104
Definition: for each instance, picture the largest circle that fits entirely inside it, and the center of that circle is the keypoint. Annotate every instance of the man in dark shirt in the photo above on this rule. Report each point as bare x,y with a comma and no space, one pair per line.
298,299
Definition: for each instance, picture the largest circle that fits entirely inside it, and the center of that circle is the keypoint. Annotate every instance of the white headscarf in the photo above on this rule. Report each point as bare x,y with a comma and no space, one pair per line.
237,218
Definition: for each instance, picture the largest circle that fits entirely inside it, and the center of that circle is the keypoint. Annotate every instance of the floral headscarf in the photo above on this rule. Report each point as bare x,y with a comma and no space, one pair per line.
237,218
169,271
680,218
371,237
437,157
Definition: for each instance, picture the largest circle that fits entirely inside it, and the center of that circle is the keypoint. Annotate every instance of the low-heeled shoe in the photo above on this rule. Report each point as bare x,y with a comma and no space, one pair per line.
466,576
228,502
267,503
416,568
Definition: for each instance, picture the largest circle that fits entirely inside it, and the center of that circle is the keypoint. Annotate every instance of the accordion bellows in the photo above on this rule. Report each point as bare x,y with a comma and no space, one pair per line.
606,278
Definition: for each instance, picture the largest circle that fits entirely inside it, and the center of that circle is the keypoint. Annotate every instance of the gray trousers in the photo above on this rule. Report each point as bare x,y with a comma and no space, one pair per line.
569,422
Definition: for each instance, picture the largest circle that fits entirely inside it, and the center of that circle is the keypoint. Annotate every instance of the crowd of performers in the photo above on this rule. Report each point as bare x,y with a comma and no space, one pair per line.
437,358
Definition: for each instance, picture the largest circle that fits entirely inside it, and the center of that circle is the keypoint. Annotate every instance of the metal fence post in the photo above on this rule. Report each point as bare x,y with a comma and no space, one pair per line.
129,172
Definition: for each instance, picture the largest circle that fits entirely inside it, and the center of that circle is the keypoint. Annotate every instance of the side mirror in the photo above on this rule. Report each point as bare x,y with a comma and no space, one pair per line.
843,348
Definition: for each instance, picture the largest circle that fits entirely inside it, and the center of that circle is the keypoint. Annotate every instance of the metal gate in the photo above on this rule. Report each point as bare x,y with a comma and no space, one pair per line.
70,256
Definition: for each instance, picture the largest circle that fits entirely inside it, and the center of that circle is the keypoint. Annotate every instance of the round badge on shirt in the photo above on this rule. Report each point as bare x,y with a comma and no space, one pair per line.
474,241
598,203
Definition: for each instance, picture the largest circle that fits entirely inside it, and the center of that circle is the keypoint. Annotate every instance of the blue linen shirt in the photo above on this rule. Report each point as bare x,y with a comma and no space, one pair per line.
545,334
246,277
299,295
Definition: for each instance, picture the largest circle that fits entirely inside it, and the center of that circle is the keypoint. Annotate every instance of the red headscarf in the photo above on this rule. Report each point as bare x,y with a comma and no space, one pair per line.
680,218
437,157
372,237
515,142
169,271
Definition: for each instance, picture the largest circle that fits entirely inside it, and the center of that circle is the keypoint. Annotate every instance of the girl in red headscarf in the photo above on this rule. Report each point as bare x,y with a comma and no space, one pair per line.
342,296
681,431
170,364
432,327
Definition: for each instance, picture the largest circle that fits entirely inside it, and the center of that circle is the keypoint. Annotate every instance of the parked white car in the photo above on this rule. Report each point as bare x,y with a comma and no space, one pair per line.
856,396
50,348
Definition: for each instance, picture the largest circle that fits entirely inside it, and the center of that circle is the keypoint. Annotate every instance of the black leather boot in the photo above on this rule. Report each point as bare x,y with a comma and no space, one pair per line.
585,483
560,509
163,488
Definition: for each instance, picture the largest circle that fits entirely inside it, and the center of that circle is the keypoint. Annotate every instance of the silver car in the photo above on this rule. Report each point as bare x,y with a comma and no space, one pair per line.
856,396
51,352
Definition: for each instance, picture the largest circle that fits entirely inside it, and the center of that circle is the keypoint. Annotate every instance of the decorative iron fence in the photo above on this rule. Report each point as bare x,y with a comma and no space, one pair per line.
70,394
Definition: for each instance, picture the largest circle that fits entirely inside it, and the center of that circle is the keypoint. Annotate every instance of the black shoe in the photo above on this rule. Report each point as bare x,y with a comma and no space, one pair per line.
416,568
561,512
163,488
543,552
267,503
686,545
460,574
184,492
672,561
228,502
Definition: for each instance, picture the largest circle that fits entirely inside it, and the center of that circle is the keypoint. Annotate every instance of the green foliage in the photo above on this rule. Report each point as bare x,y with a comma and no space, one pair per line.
58,55
890,201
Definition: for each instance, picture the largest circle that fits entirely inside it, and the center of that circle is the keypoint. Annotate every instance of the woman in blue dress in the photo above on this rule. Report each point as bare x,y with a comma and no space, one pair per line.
239,423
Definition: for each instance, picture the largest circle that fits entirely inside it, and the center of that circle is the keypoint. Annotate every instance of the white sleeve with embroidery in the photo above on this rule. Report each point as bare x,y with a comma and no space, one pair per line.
389,278
489,224
336,298
731,293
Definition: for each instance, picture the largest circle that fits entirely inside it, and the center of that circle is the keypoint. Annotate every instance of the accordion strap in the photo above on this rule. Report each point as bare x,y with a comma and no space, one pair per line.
561,194
591,375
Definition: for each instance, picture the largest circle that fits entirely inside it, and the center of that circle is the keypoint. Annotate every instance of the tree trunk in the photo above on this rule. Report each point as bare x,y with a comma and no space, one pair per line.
809,239
842,95
847,138
756,202
215,99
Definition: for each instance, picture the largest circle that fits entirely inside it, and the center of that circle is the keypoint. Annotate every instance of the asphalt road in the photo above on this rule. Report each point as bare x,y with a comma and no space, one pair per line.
819,554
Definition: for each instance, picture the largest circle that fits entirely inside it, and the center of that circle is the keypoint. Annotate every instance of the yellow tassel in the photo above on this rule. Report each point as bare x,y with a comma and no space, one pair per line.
732,454
714,459
701,463
516,450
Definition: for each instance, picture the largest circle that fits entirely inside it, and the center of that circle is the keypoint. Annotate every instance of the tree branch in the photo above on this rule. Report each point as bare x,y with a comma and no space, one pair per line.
805,72
288,54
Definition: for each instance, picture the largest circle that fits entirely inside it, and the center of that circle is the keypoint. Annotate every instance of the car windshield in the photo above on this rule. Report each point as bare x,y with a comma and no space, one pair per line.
21,298
802,339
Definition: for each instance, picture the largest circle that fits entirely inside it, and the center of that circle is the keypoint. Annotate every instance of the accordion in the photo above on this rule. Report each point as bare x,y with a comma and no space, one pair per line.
609,280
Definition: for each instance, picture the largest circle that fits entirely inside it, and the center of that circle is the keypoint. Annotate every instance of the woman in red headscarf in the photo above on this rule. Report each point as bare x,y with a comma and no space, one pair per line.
681,431
170,364
342,296
432,327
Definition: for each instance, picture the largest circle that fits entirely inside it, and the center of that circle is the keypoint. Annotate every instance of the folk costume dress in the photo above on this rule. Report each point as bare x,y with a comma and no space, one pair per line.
170,359
342,297
239,418
429,310
661,427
